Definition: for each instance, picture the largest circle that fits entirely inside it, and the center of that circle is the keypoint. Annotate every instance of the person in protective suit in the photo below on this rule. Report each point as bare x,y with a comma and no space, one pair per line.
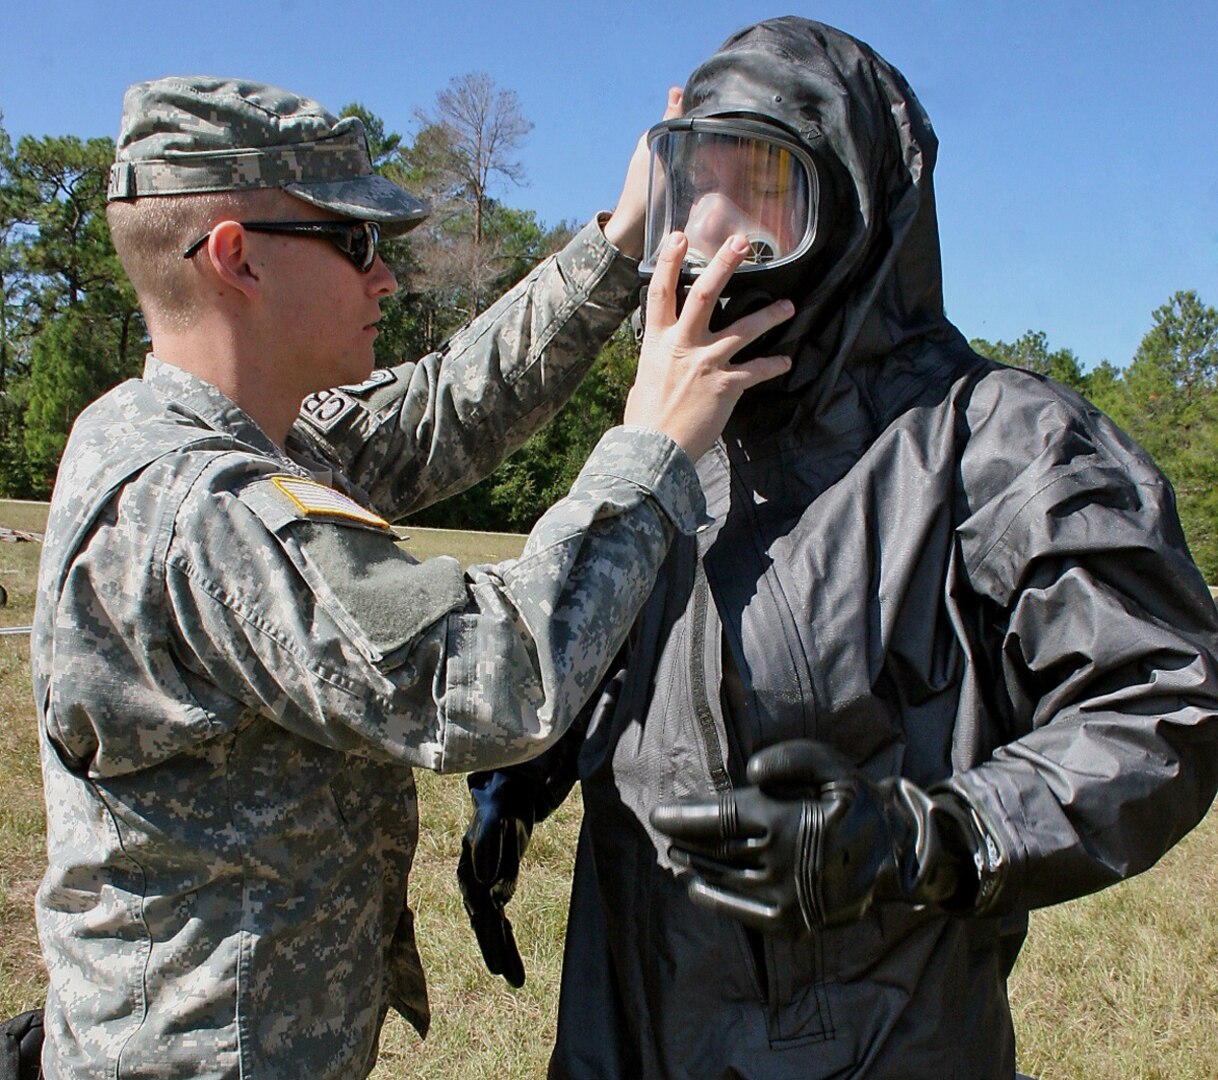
940,657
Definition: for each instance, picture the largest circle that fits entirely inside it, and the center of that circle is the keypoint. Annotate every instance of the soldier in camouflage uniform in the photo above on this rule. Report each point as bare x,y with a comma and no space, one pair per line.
235,665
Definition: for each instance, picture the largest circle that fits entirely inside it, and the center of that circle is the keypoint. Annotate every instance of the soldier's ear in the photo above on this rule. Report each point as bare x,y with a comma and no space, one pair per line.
229,256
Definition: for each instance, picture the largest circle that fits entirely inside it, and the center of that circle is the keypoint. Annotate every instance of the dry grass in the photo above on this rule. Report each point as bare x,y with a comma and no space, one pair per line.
1125,983
22,824
1117,986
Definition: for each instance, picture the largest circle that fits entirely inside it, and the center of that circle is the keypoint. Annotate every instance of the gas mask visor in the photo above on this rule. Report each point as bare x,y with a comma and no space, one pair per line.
716,176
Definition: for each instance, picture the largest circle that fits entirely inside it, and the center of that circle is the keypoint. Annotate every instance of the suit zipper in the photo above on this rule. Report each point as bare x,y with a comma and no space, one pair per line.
703,715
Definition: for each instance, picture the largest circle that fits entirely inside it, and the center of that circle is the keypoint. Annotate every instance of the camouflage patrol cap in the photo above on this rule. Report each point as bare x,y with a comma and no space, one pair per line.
190,134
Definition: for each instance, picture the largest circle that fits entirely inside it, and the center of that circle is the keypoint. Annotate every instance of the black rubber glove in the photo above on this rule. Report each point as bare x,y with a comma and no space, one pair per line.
815,842
507,804
21,1046
491,849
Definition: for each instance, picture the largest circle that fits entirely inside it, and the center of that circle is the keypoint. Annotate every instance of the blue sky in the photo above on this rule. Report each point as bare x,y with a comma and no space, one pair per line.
1078,172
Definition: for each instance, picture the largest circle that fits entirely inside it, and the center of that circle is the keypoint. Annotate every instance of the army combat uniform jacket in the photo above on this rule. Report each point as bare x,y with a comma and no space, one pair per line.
236,666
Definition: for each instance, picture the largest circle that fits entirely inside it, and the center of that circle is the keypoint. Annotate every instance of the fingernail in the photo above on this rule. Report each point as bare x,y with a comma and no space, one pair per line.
786,307
739,244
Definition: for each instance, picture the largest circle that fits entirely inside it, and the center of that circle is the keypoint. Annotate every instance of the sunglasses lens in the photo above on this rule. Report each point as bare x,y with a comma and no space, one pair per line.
363,238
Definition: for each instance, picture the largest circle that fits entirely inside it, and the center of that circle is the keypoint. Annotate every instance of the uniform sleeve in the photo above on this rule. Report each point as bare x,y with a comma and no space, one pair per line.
413,434
1106,643
329,627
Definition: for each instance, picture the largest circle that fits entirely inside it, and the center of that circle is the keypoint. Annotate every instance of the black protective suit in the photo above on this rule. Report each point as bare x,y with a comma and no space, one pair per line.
949,570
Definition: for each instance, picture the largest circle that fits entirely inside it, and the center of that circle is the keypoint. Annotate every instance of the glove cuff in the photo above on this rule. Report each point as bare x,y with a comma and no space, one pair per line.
980,859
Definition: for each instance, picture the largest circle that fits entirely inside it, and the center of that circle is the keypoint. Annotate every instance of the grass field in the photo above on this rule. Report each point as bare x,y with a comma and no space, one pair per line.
1117,986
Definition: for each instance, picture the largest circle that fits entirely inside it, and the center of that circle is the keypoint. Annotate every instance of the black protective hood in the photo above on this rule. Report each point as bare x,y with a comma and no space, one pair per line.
879,287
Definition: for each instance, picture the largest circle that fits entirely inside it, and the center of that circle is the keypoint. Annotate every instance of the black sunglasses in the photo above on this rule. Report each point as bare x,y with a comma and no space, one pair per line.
355,239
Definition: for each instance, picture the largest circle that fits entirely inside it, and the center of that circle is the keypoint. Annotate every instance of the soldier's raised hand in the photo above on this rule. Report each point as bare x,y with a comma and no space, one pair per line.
686,384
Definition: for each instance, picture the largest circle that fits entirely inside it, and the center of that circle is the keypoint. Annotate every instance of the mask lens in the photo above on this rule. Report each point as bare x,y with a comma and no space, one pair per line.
711,181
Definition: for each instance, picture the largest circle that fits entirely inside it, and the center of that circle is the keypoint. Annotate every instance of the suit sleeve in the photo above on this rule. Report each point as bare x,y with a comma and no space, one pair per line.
1106,644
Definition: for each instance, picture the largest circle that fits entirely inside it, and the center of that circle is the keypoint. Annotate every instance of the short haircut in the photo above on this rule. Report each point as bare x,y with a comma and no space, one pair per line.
151,233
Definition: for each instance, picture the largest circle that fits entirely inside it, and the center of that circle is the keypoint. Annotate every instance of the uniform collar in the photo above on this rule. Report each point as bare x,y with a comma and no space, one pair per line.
211,408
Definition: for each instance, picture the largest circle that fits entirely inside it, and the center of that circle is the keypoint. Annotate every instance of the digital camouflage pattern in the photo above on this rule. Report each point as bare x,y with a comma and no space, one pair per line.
186,135
234,683
362,429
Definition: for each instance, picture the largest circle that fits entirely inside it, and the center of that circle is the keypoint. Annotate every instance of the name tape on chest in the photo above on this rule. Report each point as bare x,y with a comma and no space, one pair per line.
316,500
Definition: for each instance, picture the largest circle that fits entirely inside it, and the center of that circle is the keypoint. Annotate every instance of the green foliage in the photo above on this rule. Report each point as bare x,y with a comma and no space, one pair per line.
1175,372
517,242
68,253
70,326
1172,410
74,361
14,360
1105,388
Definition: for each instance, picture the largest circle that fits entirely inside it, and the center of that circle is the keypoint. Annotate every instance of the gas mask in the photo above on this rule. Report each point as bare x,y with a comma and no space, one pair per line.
712,177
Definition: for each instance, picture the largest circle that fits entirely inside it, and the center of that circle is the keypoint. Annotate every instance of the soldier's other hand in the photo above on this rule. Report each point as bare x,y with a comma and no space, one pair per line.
491,850
816,842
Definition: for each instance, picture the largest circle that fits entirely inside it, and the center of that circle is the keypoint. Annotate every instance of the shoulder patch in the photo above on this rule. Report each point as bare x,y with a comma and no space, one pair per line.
325,408
316,500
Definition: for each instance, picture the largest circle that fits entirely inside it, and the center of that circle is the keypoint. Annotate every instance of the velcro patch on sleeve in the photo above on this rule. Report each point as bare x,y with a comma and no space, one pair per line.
379,377
325,408
316,500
